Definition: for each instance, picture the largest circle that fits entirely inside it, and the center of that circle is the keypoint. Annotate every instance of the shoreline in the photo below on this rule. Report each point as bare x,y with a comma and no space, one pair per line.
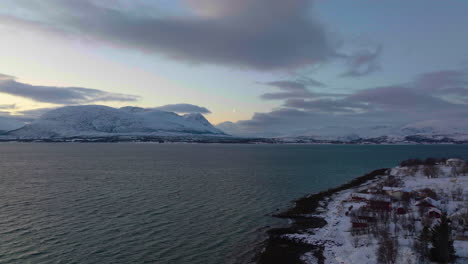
278,249
231,143
225,139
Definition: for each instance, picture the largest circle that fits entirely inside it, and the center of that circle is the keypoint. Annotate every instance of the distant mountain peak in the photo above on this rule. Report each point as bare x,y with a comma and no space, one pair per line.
98,120
133,109
196,117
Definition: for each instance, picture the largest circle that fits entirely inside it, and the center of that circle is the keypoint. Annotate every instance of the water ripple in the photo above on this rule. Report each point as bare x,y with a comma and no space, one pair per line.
149,203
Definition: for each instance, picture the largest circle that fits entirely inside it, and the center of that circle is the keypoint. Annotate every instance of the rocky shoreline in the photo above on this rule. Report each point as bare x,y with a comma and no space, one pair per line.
278,249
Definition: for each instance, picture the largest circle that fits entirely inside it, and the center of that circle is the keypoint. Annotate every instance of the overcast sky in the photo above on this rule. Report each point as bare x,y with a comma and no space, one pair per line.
269,65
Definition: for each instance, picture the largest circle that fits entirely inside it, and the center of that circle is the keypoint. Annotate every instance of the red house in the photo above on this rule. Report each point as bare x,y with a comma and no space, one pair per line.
359,198
427,202
380,205
401,211
367,218
359,224
434,213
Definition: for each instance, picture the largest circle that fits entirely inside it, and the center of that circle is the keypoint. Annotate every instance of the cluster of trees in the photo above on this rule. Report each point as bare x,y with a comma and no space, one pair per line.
457,171
431,171
388,249
381,227
392,181
418,162
436,243
384,227
429,168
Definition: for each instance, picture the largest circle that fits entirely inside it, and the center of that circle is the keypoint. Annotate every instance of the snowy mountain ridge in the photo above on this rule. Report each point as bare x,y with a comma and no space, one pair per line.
98,120
92,121
428,131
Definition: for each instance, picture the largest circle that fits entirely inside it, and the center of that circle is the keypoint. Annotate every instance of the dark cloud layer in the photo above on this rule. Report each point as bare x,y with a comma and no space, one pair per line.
431,98
362,63
444,82
259,34
34,113
61,95
288,89
295,89
184,108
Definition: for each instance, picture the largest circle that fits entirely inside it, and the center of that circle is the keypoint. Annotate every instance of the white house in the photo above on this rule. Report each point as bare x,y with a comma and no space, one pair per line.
455,162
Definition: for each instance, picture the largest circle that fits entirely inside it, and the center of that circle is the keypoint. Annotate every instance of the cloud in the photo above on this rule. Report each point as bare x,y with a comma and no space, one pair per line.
5,113
399,98
430,96
295,89
177,108
289,89
327,105
7,106
450,82
34,113
61,95
258,34
362,63
184,108
4,77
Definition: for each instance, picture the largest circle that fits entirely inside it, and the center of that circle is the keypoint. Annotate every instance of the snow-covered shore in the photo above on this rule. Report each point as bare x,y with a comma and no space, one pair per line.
399,204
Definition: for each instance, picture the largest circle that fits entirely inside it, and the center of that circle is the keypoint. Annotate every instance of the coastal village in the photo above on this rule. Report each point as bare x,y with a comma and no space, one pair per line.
414,213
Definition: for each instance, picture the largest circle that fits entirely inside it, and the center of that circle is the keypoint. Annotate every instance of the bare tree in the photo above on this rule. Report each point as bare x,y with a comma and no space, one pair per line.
428,192
387,251
393,181
455,171
421,244
464,169
413,170
356,241
457,194
431,171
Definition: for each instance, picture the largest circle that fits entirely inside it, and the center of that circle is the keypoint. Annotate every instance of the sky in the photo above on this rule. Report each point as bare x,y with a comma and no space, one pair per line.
269,67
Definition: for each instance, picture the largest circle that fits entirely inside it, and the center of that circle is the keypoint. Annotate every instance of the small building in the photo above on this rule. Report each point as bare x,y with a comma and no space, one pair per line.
427,202
434,213
396,192
368,218
365,215
359,197
369,189
401,211
380,205
357,223
455,162
460,219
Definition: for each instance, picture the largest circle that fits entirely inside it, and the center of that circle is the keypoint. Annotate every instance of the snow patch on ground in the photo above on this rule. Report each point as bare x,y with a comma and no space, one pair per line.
341,247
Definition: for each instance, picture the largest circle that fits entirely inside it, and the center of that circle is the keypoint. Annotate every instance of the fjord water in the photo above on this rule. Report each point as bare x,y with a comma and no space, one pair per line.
165,203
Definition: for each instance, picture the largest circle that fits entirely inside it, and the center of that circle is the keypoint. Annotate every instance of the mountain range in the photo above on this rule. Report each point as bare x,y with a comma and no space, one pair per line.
429,131
97,121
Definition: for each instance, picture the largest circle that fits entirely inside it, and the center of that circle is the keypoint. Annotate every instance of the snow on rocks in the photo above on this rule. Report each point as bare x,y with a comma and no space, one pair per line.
353,225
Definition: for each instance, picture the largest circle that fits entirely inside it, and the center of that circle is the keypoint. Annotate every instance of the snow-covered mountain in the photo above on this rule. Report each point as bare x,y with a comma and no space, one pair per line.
8,123
98,120
446,126
436,131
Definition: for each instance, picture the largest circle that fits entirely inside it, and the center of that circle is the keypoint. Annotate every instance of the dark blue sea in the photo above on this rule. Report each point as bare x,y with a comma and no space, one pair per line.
166,203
